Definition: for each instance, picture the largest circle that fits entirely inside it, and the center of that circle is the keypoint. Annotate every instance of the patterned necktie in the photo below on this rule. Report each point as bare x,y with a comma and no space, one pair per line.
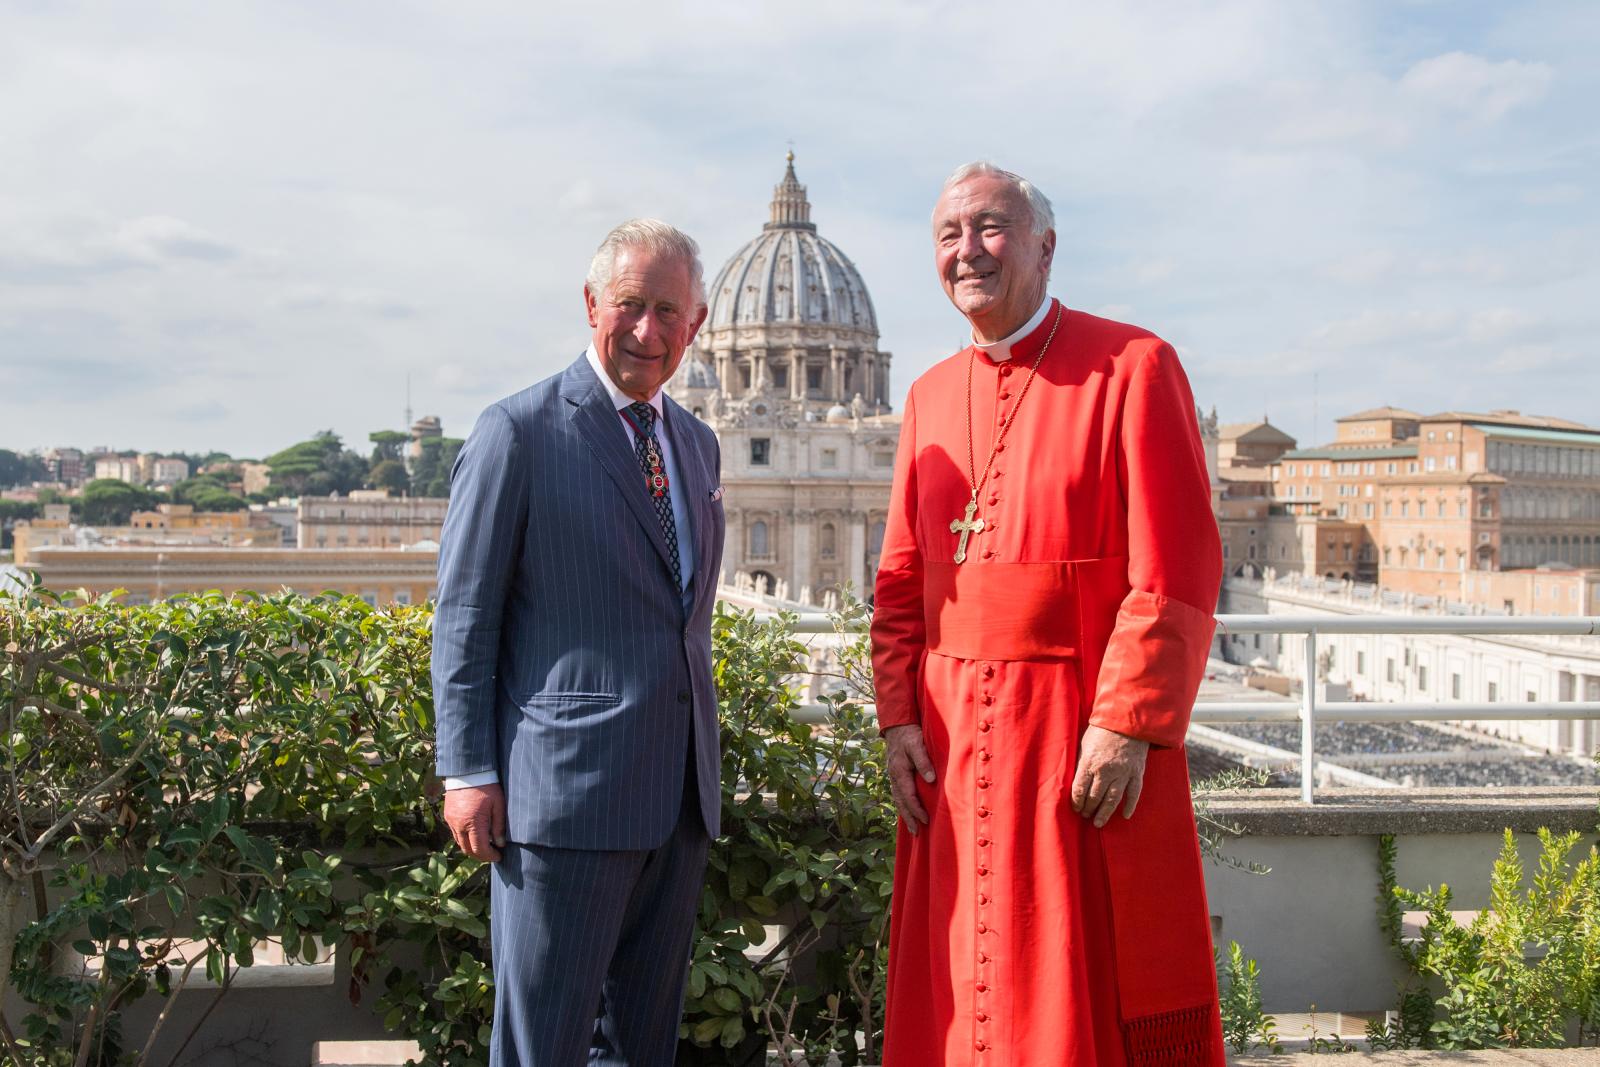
655,478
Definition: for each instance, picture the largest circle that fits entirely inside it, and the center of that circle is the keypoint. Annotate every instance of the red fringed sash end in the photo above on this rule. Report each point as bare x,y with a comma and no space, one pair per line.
1186,1038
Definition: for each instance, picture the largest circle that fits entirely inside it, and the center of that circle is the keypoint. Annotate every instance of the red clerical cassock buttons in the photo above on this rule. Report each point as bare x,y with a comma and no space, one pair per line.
982,1018
981,1047
988,670
982,929
980,987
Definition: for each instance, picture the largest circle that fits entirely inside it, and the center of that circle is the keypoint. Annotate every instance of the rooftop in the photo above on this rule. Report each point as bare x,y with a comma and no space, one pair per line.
1335,452
1379,413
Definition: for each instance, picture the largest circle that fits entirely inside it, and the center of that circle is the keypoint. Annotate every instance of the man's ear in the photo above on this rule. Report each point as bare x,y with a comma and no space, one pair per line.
591,305
699,321
1047,254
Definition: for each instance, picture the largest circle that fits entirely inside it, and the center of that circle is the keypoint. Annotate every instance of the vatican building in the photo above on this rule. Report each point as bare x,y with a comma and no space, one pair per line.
788,372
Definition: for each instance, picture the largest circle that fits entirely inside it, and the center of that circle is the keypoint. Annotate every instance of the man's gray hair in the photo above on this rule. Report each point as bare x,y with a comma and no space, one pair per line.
655,236
1044,217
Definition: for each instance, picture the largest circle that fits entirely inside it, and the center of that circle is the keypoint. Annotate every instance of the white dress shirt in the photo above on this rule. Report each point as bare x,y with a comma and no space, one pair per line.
680,511
1000,350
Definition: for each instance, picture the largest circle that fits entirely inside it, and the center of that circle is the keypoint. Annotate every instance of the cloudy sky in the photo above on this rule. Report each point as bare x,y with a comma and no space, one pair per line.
230,225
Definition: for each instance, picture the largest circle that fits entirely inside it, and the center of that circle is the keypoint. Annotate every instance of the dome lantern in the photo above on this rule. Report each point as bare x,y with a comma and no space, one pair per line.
790,208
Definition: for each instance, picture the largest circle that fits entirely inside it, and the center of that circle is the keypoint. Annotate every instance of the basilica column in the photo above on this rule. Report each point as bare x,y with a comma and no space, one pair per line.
869,391
856,565
800,572
883,376
725,373
836,376
758,369
732,544
797,374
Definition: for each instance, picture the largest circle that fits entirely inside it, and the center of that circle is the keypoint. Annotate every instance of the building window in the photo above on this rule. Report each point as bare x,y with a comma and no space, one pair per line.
1449,463
760,451
780,377
1455,687
875,538
1366,511
402,596
1494,692
759,547
830,458
1388,669
1361,663
814,378
830,541
883,460
1422,677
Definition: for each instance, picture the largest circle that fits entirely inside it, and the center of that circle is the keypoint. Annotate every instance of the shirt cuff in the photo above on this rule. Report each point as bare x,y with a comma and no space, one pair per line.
473,781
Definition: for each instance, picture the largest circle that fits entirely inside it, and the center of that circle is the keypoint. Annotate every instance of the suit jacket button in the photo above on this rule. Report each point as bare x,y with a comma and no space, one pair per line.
683,696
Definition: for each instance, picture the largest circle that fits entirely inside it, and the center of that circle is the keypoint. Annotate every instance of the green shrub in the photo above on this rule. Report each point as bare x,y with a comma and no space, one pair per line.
1522,973
1244,1025
259,769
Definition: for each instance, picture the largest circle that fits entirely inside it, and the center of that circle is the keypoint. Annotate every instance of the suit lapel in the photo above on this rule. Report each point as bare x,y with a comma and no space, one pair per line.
591,410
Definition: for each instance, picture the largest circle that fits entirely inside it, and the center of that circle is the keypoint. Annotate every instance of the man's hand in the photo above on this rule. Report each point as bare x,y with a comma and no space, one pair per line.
906,758
476,816
1110,772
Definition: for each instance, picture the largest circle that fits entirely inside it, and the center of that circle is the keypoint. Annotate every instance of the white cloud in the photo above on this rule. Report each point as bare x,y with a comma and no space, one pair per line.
1477,87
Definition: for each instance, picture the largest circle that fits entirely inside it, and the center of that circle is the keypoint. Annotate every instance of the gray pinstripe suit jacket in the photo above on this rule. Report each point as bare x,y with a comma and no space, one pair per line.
563,656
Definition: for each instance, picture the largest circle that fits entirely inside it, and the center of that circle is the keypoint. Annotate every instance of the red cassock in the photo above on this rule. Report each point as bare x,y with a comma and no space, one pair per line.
1021,935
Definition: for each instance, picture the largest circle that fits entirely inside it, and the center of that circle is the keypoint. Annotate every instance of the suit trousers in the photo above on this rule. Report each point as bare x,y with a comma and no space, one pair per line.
591,949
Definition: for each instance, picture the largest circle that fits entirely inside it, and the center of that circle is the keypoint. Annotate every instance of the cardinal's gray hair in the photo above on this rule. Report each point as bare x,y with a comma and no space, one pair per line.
654,236
1044,217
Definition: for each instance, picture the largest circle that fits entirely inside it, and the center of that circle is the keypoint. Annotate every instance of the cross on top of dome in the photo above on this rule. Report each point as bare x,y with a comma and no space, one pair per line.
790,208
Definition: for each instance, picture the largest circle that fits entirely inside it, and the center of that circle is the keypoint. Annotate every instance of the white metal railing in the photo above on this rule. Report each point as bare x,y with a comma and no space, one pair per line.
1308,711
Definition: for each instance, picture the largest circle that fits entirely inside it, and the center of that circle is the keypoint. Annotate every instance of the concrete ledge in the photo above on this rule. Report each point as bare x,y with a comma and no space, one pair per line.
1561,1057
1347,812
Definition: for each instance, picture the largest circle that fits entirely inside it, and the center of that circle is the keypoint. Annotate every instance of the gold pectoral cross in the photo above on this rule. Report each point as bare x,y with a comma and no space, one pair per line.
966,527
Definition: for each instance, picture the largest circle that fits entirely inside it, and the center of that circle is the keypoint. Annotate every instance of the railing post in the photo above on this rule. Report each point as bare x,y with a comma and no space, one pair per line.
1308,719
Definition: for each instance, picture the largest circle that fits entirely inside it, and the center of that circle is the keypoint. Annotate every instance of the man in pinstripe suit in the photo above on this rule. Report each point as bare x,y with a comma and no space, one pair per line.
577,718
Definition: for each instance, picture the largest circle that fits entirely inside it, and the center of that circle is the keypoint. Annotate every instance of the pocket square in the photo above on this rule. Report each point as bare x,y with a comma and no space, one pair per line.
716,494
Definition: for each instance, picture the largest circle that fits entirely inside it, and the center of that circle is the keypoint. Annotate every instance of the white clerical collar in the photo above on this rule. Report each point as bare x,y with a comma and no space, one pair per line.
1000,350
618,397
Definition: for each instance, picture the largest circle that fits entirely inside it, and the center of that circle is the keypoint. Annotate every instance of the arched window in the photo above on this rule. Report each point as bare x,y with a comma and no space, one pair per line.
829,540
758,540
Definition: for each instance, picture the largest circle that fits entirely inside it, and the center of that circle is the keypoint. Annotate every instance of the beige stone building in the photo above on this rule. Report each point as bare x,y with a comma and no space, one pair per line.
379,576
1430,500
1242,494
788,373
168,526
368,518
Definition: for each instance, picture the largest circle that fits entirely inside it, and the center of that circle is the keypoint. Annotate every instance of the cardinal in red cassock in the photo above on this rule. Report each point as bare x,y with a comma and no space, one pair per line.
1043,612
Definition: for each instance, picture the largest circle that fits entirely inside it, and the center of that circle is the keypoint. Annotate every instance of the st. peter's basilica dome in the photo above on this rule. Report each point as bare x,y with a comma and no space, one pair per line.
788,275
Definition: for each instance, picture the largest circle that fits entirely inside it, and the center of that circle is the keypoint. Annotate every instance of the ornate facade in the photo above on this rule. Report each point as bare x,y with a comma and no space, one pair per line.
788,373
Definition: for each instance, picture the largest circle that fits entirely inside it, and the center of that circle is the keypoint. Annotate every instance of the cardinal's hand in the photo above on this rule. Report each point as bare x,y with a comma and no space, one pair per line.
906,758
1110,772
